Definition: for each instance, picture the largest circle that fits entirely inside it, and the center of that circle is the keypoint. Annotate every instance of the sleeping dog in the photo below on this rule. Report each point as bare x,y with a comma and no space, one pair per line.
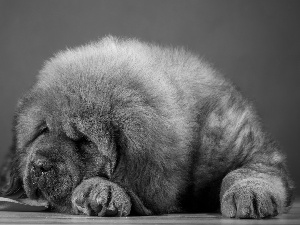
120,127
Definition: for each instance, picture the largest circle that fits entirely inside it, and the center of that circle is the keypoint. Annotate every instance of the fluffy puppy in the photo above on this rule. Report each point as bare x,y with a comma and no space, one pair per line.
121,127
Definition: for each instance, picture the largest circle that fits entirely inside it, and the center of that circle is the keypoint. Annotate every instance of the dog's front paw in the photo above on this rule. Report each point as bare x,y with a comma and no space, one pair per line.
99,197
251,198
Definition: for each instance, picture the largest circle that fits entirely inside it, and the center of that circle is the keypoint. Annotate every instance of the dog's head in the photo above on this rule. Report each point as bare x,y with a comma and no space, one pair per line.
56,146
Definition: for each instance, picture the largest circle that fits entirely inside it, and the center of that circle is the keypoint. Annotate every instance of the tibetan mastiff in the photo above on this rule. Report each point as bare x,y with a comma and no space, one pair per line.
120,127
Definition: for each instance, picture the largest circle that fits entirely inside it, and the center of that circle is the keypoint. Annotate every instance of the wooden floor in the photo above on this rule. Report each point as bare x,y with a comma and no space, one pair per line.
52,218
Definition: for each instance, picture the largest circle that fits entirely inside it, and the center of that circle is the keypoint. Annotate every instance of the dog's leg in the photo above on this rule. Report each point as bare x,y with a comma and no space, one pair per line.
255,181
100,197
255,191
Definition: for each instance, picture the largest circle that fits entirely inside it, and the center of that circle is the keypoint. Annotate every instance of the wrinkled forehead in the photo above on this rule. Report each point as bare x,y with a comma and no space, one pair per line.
34,110
51,108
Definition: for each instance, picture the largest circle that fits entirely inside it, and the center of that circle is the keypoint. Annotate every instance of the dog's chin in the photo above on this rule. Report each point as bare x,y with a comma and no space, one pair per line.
56,190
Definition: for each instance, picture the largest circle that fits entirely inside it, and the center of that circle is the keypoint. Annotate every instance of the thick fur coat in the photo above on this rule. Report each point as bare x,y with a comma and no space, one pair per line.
121,127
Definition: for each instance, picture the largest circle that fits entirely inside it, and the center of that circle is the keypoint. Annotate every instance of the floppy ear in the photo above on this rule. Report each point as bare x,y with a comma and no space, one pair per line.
11,183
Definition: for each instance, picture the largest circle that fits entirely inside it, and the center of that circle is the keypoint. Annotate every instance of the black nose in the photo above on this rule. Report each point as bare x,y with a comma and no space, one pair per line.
41,166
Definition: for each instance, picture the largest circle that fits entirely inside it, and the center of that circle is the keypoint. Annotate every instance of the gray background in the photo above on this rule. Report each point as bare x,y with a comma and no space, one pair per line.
255,43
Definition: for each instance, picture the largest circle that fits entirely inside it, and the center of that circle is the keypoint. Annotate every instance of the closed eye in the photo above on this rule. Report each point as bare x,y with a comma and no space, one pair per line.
40,130
43,128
